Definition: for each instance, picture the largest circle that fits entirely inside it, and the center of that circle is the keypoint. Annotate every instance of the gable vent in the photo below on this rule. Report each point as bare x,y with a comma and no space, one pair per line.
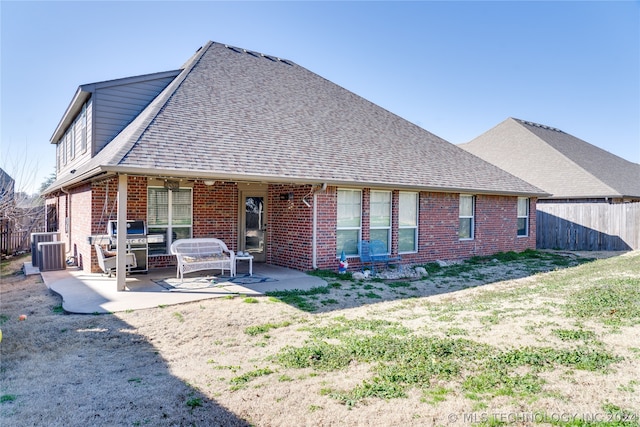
236,50
258,55
538,125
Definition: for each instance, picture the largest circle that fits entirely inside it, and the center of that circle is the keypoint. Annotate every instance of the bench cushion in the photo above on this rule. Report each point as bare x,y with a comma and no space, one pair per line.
205,258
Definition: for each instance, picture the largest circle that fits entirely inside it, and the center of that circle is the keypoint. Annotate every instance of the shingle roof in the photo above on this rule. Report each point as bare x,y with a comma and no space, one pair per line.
236,114
559,163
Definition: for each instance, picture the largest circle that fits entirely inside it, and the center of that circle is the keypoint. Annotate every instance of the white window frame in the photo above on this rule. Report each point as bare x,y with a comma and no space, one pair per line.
83,129
58,156
350,228
520,216
408,227
65,147
168,228
373,207
72,138
467,217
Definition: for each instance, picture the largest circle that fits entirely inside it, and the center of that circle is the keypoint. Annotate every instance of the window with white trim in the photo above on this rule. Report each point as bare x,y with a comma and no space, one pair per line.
83,129
72,139
407,222
349,221
523,216
169,212
65,148
466,214
380,217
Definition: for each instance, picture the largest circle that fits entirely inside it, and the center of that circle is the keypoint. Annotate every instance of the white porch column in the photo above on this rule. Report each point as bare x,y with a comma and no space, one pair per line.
121,249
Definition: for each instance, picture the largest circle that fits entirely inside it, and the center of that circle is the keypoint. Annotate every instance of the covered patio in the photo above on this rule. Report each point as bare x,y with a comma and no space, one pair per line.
96,293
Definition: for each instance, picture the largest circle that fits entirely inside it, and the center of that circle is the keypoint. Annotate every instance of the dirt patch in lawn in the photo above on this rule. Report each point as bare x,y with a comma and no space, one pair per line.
546,338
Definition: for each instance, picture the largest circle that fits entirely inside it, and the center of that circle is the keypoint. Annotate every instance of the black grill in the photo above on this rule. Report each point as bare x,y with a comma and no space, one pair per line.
137,242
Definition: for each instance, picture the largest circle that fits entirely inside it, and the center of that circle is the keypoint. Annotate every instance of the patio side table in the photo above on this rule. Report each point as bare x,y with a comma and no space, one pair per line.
245,258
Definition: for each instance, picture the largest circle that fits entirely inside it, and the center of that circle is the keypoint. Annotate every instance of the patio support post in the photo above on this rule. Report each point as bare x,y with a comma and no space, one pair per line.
121,249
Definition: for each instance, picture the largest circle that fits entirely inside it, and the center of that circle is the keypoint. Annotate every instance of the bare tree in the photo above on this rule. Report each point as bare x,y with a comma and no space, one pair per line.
20,213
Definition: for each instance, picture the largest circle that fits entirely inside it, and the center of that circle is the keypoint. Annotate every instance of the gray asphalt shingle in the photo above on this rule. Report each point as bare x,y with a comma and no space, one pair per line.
558,163
238,114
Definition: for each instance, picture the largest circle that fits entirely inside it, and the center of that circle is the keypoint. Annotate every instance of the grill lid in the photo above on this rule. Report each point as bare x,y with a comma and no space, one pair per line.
134,228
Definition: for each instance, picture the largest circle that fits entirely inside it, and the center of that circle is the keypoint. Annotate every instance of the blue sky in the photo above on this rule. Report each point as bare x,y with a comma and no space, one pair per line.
454,68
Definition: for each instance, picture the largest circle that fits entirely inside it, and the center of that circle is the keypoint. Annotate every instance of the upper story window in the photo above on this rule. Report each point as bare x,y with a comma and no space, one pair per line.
349,221
408,222
523,216
72,141
466,214
380,217
65,148
83,129
74,138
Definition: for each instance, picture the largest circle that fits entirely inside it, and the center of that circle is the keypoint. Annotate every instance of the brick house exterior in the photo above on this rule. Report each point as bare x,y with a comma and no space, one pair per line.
288,243
293,136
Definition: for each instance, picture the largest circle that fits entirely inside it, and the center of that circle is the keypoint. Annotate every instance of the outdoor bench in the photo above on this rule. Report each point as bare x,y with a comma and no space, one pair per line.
374,252
203,254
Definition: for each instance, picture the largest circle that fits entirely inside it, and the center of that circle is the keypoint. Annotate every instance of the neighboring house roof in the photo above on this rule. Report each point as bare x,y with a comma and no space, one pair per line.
234,114
560,164
6,186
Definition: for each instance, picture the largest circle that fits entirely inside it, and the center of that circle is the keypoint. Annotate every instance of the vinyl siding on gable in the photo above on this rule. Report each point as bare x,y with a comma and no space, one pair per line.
109,107
116,106
70,150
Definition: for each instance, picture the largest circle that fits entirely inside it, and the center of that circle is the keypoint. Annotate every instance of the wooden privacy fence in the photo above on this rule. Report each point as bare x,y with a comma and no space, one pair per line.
11,240
588,226
16,236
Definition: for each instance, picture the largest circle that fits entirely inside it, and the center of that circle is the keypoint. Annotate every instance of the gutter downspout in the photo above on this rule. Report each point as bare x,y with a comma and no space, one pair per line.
67,219
314,251
314,231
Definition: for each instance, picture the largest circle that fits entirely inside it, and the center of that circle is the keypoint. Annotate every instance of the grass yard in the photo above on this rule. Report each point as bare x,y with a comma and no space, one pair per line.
535,338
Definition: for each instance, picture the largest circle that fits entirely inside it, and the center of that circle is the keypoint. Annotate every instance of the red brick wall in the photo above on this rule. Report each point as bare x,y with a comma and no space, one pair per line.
74,224
327,212
495,228
290,223
395,210
215,212
137,197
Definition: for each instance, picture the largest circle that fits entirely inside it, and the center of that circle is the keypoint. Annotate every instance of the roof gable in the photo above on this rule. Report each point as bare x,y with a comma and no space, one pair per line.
146,87
557,162
240,115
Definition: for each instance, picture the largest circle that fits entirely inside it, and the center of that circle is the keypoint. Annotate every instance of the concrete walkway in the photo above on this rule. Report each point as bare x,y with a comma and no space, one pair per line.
88,293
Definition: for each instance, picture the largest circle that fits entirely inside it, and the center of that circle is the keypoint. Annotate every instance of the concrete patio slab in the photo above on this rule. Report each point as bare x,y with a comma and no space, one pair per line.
88,293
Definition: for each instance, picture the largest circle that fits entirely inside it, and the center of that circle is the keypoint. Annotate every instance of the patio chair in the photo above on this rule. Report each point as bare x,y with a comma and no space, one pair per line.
108,264
375,251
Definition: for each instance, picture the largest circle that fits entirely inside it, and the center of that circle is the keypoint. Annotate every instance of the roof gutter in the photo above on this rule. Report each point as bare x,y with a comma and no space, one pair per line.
222,176
182,174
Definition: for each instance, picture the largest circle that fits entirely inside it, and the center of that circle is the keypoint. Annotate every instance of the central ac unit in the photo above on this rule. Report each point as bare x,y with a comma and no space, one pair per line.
41,237
51,256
